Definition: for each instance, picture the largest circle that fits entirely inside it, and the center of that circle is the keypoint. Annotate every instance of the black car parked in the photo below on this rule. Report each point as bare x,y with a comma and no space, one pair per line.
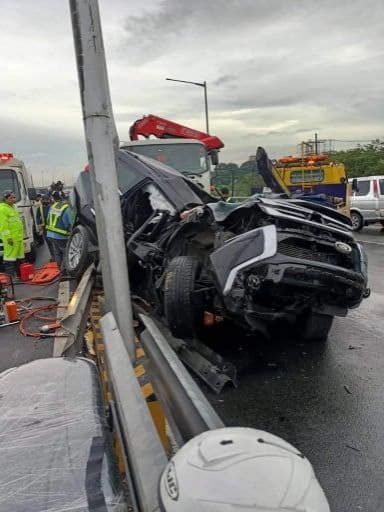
253,263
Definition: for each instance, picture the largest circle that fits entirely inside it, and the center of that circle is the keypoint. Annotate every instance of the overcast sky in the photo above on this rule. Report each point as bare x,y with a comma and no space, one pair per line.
277,71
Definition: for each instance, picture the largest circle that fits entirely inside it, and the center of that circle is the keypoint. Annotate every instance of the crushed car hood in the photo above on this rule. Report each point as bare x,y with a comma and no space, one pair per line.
302,210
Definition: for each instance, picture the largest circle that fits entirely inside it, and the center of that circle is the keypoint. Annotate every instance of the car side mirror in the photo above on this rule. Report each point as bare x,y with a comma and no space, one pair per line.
214,157
32,195
355,187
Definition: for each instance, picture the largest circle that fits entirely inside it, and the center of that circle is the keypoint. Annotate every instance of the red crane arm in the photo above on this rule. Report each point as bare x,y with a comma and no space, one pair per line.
164,129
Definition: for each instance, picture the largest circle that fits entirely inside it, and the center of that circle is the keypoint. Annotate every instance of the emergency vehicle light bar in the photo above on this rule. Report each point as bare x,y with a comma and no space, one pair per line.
4,157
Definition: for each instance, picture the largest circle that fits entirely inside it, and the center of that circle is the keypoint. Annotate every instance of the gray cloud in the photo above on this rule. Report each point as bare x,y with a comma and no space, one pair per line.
224,79
46,152
273,68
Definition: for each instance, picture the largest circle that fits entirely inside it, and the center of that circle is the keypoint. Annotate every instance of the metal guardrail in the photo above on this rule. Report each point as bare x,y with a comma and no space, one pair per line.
140,442
188,411
77,307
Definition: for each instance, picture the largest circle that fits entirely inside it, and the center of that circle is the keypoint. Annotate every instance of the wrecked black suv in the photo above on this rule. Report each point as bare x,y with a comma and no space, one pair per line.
255,263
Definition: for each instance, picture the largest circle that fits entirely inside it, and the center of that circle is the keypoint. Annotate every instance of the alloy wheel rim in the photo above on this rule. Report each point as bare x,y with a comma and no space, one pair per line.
75,250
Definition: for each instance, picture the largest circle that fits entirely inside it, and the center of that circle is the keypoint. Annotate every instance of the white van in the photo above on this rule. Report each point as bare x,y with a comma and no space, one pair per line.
367,201
14,176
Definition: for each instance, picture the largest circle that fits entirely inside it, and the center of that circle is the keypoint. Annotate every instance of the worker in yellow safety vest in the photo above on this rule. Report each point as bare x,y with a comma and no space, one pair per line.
59,227
11,233
42,220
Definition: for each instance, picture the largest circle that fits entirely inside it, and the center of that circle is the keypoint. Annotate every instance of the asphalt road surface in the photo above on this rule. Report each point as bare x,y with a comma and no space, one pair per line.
16,349
325,398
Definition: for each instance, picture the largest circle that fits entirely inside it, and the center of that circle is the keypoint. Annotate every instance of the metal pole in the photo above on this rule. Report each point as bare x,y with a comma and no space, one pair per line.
316,151
102,142
203,84
206,107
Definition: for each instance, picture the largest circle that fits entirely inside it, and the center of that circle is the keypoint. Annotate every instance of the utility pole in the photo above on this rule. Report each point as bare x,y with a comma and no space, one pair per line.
102,144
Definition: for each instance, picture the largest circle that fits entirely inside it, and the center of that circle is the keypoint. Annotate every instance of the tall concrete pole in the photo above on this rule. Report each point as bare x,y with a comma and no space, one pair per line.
102,144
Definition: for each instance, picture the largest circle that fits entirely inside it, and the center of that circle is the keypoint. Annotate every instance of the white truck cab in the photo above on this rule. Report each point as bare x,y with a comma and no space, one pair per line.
187,156
14,176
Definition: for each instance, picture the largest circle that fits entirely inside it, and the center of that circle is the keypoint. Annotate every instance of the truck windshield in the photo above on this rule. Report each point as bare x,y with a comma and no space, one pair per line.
186,158
8,181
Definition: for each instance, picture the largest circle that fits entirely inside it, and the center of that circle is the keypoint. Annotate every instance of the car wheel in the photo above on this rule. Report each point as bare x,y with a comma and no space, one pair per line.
77,257
357,221
183,313
382,223
316,326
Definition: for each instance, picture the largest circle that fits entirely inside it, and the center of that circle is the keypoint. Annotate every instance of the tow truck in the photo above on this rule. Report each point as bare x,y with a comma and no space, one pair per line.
14,176
315,177
187,150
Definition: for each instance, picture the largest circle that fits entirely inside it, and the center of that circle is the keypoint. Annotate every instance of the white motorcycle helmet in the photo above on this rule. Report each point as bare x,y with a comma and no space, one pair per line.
240,469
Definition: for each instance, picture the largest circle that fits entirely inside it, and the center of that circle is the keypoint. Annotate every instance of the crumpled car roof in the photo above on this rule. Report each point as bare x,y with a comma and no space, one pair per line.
134,170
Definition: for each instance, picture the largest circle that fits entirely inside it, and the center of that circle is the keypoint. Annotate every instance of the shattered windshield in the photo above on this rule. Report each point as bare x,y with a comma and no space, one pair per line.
186,158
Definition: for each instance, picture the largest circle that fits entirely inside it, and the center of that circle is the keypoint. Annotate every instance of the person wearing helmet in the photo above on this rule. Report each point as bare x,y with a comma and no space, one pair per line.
240,469
59,226
11,233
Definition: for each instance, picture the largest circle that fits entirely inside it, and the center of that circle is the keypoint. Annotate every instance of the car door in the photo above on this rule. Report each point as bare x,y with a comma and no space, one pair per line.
363,198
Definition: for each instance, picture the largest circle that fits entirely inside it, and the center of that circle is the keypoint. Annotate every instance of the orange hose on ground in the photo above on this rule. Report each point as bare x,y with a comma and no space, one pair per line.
33,313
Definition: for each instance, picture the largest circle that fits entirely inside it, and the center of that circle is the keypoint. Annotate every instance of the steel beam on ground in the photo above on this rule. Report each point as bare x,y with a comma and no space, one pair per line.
102,144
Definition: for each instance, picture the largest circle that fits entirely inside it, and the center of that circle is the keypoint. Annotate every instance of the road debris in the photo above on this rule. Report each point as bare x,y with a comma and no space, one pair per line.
353,448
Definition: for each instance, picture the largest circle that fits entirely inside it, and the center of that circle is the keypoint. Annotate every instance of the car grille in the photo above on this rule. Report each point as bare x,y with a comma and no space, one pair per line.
314,252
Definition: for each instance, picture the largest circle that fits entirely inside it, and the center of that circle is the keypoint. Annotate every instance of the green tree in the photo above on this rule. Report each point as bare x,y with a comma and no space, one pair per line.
364,160
224,175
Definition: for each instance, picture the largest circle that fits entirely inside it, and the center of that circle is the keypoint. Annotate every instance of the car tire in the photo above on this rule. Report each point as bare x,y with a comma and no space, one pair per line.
77,257
382,223
183,314
316,326
357,221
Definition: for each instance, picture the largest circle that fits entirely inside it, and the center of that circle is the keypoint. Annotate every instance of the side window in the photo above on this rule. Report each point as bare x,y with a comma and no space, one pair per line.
363,188
24,188
381,185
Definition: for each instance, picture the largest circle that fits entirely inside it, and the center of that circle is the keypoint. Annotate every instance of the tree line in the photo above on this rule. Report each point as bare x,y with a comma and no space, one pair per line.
363,160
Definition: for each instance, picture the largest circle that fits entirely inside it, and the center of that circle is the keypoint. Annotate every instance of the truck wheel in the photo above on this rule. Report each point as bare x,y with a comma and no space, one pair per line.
357,221
315,326
183,313
77,257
